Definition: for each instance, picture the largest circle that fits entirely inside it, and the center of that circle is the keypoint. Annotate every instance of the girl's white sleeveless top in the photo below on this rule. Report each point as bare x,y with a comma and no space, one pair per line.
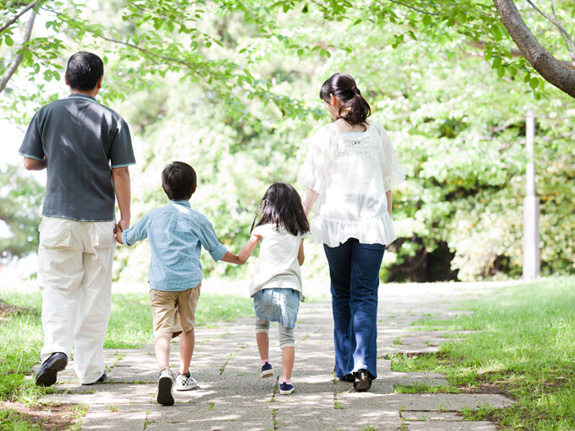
351,173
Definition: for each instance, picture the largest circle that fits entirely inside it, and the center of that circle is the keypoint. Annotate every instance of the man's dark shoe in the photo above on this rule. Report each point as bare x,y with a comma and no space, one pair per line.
362,381
48,373
103,378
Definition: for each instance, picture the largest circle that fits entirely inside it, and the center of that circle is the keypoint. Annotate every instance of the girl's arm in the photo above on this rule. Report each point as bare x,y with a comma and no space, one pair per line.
248,248
300,254
229,257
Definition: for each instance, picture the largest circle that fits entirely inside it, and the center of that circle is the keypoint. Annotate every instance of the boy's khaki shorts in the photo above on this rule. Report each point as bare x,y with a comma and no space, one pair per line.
174,312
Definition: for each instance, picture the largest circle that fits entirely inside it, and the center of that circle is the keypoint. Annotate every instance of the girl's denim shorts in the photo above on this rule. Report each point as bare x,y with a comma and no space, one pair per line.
277,305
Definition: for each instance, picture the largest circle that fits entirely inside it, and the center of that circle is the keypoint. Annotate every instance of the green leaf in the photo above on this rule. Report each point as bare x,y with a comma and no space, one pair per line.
426,20
496,63
497,35
534,82
500,71
8,40
305,9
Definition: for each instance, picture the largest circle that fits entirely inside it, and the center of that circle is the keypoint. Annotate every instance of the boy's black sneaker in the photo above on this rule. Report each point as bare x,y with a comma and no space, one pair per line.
165,382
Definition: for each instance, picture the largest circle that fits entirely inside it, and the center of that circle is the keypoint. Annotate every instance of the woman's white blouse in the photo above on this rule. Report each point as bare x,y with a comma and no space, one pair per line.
351,173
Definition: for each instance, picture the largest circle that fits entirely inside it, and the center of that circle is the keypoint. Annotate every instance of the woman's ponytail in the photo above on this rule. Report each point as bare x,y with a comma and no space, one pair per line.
354,106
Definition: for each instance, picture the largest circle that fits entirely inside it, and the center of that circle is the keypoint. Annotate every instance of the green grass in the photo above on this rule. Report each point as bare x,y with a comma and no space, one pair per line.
525,349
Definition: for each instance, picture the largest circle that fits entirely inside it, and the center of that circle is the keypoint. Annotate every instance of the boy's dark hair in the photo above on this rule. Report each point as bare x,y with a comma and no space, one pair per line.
179,181
281,205
344,88
83,71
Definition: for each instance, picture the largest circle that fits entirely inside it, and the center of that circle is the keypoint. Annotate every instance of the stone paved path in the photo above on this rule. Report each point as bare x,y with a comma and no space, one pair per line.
232,397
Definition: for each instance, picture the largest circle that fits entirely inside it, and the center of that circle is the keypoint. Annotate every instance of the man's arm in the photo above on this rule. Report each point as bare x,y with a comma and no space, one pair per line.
121,178
34,164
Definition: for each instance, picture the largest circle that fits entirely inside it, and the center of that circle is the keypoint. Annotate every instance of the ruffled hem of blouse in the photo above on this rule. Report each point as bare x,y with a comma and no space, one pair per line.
396,178
334,232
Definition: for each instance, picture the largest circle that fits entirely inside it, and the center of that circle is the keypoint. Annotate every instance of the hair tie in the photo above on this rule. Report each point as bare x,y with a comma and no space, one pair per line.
355,90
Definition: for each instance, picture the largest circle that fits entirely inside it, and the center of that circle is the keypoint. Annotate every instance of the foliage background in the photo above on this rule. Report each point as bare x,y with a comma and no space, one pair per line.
231,88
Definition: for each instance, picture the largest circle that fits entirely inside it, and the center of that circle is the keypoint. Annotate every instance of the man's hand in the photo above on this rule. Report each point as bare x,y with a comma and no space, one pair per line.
119,228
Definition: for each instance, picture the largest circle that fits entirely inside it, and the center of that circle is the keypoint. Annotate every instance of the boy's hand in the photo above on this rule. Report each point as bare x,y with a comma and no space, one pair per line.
118,232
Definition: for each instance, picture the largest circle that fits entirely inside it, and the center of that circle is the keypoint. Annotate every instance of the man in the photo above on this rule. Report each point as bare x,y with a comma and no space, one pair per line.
86,149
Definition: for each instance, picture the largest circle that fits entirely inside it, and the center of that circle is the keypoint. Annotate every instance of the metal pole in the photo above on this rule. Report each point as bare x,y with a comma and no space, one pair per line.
531,256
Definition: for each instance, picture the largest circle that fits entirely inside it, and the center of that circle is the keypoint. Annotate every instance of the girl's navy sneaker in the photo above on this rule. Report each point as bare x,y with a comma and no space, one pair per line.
286,388
266,370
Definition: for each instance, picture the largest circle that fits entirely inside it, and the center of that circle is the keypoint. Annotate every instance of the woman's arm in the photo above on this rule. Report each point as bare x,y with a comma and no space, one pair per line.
300,254
308,201
248,248
389,198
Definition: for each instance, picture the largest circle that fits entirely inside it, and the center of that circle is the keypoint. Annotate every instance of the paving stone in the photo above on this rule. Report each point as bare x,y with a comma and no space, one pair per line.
430,416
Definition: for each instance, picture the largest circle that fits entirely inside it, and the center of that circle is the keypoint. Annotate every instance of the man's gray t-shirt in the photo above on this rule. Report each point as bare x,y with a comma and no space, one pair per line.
82,141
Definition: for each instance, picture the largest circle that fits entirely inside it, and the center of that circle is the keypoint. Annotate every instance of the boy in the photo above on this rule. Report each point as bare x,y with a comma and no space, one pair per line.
176,234
86,149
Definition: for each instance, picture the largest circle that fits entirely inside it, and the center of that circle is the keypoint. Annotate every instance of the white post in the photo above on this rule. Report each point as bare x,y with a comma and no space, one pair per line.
531,257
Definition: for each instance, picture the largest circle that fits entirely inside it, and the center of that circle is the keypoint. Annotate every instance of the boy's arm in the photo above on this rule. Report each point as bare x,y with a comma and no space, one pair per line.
248,248
136,233
300,254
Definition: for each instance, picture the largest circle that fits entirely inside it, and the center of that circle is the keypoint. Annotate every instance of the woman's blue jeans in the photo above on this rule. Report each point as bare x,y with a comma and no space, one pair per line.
354,272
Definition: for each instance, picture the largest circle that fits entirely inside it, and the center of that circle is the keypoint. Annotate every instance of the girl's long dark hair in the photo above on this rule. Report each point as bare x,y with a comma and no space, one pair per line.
343,86
281,206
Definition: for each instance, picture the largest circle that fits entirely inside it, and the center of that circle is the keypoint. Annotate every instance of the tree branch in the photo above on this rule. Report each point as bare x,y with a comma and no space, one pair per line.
146,51
15,17
570,49
18,59
552,70
566,39
415,9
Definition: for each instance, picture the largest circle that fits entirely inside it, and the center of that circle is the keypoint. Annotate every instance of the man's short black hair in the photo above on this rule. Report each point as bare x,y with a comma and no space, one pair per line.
83,71
179,181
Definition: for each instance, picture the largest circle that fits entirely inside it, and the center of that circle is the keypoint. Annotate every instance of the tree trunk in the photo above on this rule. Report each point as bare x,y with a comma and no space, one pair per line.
556,72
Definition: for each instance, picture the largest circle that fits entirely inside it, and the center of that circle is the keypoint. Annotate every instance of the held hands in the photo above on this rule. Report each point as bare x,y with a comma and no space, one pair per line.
119,228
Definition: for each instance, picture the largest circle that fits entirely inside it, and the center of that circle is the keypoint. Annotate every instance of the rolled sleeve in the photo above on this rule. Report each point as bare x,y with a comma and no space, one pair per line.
210,242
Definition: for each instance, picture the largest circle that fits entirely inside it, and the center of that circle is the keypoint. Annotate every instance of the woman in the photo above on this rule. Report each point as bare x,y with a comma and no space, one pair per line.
348,173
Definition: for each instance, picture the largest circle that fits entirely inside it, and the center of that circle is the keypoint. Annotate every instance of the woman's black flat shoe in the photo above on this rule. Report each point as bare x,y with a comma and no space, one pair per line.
350,378
362,381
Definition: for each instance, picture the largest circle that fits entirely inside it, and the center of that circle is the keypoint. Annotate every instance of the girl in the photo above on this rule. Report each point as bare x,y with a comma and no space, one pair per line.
276,286
350,170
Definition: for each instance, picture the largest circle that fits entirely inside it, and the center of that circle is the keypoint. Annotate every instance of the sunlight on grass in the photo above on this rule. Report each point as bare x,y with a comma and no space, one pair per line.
524,347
